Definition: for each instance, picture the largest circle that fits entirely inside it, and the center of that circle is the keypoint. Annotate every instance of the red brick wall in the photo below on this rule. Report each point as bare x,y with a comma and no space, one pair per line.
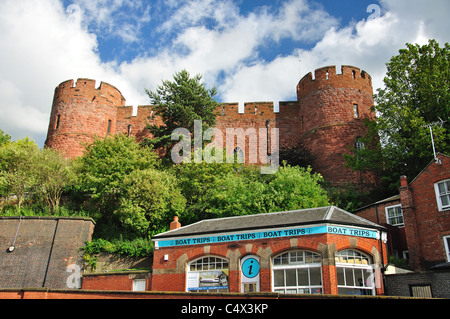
114,281
425,225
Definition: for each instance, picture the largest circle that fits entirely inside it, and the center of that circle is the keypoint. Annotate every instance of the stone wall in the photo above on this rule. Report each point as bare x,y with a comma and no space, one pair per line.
44,248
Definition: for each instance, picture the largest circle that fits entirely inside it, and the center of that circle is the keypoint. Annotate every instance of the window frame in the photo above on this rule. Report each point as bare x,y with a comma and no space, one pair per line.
355,110
447,247
353,268
441,207
192,263
388,218
139,280
299,263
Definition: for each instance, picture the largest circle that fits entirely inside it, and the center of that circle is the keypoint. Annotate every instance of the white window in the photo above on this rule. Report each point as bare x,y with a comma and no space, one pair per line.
139,284
354,273
442,190
297,272
208,274
394,215
355,111
447,247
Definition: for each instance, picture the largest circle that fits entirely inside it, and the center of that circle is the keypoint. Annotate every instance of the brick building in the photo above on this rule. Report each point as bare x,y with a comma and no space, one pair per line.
327,118
315,251
419,217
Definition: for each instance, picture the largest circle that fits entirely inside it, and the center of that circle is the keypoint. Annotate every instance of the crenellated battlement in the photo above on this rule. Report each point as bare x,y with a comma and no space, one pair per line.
327,117
350,77
85,88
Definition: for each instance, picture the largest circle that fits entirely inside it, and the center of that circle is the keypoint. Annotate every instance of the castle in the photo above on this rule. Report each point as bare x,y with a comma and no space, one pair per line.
328,118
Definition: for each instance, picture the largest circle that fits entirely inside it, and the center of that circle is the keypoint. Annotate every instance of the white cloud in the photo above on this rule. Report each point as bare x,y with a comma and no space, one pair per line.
109,18
43,44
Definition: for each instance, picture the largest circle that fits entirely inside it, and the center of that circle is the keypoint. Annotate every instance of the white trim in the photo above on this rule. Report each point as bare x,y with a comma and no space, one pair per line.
438,196
387,214
447,248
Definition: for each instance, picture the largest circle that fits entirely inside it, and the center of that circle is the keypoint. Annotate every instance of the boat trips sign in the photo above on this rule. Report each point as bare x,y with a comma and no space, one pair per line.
324,229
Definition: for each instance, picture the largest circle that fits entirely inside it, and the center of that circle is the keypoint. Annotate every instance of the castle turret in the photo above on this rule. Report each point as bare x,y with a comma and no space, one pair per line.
332,110
79,113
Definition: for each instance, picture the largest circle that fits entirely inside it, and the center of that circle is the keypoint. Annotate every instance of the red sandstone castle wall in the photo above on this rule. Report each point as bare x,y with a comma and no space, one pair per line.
322,119
328,124
79,113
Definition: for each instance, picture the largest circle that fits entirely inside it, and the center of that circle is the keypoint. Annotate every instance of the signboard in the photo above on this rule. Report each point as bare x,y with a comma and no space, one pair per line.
204,280
300,231
250,267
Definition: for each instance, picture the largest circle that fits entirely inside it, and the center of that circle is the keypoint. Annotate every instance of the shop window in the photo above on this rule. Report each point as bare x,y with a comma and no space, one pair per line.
354,273
394,215
208,274
442,190
297,272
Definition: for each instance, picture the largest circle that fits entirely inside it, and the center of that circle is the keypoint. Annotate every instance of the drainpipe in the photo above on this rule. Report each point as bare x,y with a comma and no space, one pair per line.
267,134
50,253
383,268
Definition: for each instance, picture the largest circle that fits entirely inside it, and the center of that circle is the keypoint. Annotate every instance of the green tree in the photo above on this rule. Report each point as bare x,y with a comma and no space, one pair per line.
52,174
416,93
149,200
103,168
4,138
217,190
16,167
296,188
179,103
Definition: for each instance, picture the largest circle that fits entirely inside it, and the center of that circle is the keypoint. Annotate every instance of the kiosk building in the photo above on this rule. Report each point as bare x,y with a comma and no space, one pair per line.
315,251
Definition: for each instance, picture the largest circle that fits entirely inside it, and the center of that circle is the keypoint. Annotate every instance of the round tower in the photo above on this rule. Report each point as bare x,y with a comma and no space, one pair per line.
79,113
332,111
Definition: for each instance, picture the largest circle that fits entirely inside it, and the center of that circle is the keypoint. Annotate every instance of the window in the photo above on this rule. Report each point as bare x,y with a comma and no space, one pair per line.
58,119
354,273
447,247
394,215
208,274
297,272
109,127
355,111
359,144
139,284
442,190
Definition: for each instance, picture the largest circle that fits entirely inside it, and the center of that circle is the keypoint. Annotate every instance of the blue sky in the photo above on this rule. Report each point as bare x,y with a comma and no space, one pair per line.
248,49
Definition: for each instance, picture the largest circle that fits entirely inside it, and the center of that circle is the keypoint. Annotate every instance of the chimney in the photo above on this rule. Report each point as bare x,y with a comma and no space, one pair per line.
403,181
175,224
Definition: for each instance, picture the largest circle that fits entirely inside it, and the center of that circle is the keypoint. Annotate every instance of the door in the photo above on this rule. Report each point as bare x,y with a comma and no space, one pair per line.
250,268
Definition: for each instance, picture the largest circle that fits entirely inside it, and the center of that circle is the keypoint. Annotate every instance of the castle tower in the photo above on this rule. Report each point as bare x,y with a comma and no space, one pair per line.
332,109
79,113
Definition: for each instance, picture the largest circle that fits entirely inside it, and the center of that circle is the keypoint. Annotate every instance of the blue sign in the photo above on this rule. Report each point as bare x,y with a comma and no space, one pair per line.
250,268
326,229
